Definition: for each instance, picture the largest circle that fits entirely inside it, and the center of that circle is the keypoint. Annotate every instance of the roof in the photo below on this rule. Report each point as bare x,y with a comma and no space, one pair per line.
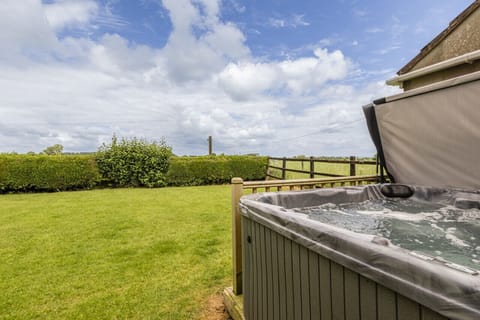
439,38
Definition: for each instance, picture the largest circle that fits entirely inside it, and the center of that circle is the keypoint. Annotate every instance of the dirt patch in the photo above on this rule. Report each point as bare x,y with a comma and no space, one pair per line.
214,309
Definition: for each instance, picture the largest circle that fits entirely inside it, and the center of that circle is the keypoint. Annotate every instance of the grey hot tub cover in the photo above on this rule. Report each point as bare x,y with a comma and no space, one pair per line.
430,136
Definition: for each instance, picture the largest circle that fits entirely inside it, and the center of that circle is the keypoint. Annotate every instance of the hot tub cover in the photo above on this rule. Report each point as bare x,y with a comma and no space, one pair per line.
449,291
430,136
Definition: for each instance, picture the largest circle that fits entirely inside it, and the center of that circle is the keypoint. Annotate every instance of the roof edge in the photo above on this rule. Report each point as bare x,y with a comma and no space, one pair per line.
440,37
439,66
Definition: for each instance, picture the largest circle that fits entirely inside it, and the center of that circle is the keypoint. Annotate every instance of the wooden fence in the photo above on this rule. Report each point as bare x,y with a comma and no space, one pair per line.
352,162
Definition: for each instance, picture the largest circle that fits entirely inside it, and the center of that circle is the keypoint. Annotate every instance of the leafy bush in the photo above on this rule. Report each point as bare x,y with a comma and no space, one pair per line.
134,162
215,169
34,173
56,149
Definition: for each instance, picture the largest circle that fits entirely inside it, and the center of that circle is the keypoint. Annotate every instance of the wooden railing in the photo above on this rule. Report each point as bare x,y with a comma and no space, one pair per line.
311,172
238,187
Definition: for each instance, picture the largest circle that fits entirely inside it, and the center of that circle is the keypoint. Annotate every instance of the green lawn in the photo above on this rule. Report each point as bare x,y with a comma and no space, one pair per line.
113,254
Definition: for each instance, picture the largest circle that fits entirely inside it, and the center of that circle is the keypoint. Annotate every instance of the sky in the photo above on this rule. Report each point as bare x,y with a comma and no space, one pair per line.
272,77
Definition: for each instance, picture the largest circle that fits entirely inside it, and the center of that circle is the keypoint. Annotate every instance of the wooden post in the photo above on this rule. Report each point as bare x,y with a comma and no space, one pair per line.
267,177
210,147
312,168
352,166
237,191
284,167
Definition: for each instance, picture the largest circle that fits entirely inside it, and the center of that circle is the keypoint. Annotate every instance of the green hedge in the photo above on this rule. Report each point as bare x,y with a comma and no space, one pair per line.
40,173
190,171
36,173
134,162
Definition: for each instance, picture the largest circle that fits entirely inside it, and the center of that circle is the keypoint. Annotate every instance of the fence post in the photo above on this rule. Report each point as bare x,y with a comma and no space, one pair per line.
237,191
284,167
267,177
352,166
312,168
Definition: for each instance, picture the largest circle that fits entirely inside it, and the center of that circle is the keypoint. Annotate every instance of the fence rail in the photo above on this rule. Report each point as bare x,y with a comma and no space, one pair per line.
352,161
238,187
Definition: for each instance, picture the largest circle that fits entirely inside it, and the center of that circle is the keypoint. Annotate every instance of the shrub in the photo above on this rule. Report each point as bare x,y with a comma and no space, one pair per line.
134,162
215,169
35,173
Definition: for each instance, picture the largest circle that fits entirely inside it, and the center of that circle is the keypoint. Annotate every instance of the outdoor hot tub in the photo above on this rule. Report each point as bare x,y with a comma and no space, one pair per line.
405,250
354,253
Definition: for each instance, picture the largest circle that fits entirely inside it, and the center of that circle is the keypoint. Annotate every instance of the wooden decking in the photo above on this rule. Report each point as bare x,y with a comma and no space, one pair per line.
233,304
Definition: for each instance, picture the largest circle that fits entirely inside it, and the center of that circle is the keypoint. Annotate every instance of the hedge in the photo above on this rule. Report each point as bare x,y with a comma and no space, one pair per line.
190,171
134,162
36,173
43,173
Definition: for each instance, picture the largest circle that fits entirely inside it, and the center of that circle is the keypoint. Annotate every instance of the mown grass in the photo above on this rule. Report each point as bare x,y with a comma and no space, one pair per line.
113,254
333,168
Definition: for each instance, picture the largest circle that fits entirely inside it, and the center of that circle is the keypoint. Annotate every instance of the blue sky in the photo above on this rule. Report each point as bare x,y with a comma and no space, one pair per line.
270,77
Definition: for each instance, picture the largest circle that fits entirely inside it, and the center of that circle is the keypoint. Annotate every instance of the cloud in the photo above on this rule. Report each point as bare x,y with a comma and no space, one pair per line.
245,80
200,45
69,88
299,20
387,49
114,54
299,76
374,30
277,23
70,13
236,6
24,30
304,74
360,13
293,21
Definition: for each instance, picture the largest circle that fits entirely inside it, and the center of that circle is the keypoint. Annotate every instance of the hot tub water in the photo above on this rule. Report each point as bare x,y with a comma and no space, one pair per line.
437,230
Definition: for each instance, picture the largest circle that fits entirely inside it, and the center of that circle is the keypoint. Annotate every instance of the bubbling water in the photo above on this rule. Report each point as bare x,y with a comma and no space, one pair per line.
445,232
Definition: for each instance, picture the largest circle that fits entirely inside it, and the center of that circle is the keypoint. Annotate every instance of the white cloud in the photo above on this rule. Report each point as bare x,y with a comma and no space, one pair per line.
360,13
387,49
299,76
24,30
299,20
198,56
115,54
204,81
277,23
305,74
245,80
228,40
236,6
70,13
183,14
374,30
293,21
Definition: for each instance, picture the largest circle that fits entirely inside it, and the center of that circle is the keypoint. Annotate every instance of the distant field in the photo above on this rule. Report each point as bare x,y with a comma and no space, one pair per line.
114,254
333,168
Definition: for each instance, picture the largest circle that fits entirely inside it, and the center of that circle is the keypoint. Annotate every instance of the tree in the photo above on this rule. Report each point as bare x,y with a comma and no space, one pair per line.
56,149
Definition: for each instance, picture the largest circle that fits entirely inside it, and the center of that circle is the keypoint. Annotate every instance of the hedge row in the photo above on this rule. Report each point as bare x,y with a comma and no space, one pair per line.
40,173
37,173
194,171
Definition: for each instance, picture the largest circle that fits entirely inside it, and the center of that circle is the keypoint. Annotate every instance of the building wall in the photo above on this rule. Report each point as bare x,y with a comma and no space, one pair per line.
464,39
